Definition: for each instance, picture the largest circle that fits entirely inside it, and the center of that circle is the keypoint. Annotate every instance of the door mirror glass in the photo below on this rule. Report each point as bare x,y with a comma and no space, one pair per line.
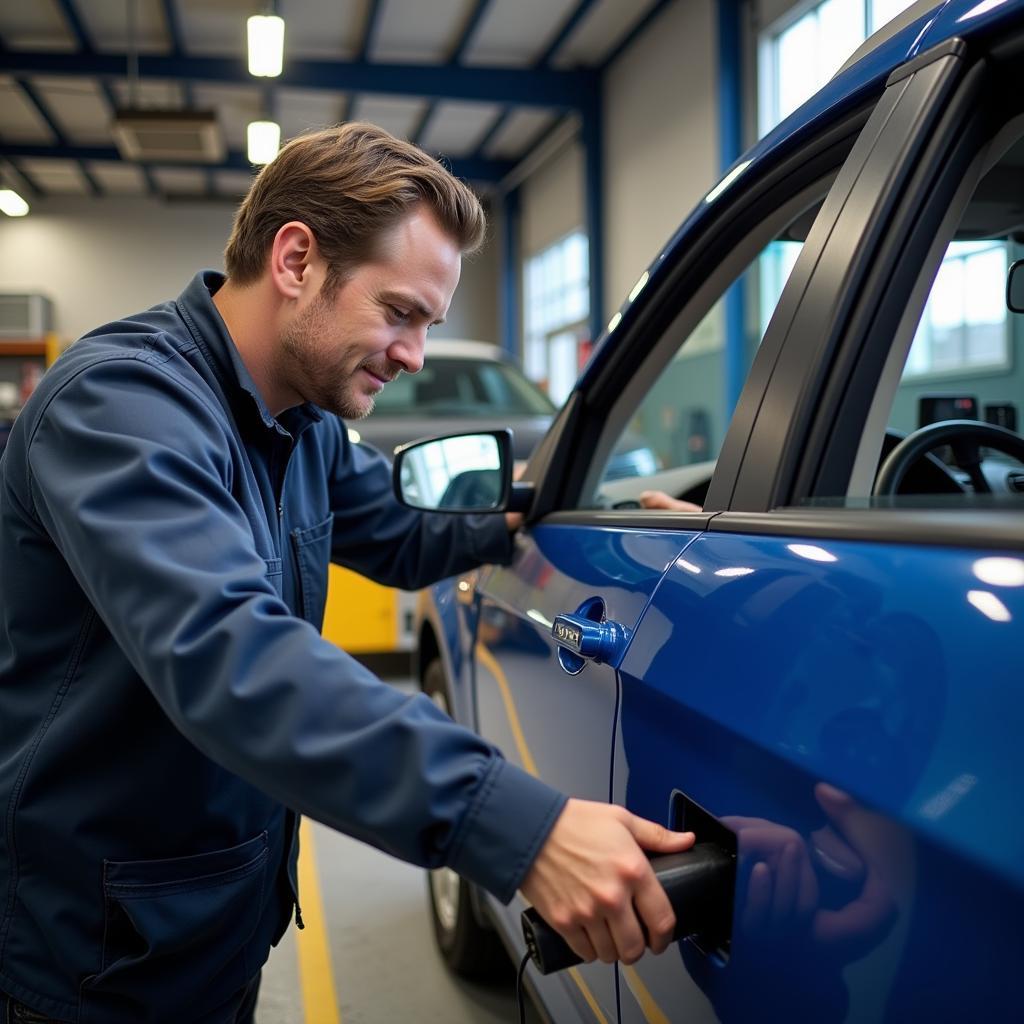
1015,287
461,473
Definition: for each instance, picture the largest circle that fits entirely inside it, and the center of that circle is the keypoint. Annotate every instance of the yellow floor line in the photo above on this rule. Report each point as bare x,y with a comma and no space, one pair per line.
587,994
491,664
316,979
488,660
648,1007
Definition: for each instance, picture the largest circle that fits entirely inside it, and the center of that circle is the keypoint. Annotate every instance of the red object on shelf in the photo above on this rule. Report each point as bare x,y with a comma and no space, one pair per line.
31,375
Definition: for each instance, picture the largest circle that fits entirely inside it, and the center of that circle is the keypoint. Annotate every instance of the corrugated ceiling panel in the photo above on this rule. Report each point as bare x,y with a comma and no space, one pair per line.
19,119
58,176
217,26
605,24
410,31
322,28
395,115
517,31
518,132
298,110
81,113
107,23
454,129
149,92
38,25
180,180
118,179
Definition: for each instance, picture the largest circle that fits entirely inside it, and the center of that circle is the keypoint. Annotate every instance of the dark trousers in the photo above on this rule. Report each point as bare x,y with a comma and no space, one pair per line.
12,1012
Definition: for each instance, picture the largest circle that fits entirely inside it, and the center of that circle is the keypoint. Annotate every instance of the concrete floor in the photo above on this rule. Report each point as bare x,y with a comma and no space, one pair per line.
385,963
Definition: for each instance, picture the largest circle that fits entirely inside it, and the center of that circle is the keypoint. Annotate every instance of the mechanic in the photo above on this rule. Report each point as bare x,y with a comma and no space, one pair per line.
169,500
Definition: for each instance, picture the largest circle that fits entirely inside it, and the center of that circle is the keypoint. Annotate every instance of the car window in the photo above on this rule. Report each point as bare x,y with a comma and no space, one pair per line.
673,435
463,387
945,429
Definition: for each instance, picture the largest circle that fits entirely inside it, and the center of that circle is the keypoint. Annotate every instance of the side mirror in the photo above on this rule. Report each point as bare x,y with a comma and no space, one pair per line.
459,473
1015,287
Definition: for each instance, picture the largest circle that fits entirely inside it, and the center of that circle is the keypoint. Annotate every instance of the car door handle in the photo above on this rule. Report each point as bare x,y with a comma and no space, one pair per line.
580,640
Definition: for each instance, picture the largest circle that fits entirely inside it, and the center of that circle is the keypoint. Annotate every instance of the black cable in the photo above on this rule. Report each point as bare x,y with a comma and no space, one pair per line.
520,1001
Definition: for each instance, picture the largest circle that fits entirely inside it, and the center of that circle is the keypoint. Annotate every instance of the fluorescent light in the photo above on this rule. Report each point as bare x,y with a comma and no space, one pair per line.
266,45
12,204
264,140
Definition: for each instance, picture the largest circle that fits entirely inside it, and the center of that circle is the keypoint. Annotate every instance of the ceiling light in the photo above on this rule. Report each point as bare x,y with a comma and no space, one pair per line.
264,140
12,204
266,45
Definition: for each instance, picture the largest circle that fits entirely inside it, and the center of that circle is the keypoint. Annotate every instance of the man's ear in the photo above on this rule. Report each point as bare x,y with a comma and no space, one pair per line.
294,260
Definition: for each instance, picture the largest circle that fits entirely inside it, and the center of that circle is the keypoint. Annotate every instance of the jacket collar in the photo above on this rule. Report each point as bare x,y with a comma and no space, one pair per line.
210,334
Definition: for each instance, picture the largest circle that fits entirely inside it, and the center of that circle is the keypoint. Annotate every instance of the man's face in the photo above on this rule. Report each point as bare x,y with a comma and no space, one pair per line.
340,350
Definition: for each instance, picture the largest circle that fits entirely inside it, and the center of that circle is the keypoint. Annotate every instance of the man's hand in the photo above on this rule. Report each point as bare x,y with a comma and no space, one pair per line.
513,520
592,883
661,500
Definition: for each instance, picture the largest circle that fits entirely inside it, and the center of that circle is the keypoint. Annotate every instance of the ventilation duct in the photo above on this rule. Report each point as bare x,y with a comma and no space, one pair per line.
169,136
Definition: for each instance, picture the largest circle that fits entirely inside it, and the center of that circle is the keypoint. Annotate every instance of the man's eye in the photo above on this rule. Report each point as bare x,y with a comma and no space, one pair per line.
399,314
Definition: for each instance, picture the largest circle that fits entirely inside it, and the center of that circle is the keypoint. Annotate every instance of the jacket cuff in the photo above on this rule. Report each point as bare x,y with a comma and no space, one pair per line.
506,826
489,538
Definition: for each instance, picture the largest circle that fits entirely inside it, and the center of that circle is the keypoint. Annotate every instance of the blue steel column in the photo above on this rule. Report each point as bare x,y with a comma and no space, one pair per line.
510,274
730,142
593,157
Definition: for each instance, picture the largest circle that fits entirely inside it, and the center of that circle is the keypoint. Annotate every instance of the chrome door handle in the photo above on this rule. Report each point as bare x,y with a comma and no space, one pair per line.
580,640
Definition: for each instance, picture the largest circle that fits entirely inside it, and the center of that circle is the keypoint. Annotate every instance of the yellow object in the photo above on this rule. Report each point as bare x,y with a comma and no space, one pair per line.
361,615
316,978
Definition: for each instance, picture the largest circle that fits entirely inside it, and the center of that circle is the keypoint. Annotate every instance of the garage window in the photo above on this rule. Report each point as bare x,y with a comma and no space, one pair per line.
556,294
800,52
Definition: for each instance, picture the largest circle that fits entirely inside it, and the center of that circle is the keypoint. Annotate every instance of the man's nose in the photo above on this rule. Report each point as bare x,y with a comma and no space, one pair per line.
407,349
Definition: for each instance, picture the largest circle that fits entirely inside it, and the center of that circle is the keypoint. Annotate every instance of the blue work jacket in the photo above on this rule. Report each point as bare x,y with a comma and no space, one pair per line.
167,704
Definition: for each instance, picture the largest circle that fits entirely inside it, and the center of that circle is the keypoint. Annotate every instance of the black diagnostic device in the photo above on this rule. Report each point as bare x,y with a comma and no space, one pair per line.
699,884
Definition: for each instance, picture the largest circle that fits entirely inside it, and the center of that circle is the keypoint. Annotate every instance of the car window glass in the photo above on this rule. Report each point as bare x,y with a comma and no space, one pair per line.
674,435
959,387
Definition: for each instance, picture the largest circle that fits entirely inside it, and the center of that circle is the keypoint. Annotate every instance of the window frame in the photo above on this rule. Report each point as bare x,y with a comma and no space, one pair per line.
716,253
923,213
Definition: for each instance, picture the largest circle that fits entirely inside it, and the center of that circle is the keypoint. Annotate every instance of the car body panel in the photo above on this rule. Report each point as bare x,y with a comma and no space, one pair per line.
766,667
530,706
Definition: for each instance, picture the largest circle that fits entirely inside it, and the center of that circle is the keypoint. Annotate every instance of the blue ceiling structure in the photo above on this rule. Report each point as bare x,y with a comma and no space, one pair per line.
542,84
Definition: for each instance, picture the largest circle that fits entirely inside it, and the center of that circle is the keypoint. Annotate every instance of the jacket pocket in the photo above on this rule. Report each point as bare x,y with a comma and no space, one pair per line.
312,549
175,934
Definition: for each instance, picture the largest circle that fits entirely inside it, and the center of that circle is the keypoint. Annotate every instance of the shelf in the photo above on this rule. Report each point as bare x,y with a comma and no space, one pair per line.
22,348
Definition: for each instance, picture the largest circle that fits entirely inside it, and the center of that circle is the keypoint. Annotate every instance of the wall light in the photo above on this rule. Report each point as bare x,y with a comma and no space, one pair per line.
266,45
263,140
12,204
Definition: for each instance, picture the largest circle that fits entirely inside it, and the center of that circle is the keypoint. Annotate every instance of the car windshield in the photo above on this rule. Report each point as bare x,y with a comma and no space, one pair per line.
463,387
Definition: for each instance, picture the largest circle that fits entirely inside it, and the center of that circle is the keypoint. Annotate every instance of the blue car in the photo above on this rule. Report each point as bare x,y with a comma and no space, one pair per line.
812,656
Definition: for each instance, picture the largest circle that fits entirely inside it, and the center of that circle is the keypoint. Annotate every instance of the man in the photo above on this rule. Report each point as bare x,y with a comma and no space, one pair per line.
169,501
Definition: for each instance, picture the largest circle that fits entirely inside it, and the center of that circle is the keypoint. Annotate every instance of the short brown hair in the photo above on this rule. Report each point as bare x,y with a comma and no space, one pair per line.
349,185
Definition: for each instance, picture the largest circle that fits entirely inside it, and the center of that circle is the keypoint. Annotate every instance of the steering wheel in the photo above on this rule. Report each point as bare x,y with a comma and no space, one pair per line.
965,437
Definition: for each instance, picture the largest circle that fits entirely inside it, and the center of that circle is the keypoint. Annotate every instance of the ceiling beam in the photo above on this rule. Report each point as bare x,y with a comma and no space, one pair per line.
539,87
471,168
568,27
370,29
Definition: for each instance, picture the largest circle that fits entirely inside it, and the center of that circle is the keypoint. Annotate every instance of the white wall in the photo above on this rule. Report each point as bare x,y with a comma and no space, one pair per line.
552,200
99,259
660,138
660,149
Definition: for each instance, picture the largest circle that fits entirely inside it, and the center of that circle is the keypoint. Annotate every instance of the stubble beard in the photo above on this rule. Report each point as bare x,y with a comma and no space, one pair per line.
319,374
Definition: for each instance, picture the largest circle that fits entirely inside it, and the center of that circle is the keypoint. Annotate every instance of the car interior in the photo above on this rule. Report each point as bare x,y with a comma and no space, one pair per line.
956,383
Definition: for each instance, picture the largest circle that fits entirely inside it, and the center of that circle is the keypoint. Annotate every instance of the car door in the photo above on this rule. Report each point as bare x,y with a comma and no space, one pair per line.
830,671
585,553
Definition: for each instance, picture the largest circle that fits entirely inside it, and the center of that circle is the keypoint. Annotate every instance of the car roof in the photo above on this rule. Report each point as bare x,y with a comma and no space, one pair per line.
463,348
921,26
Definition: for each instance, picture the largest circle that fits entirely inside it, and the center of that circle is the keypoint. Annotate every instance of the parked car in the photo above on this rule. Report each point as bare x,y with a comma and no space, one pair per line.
819,671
